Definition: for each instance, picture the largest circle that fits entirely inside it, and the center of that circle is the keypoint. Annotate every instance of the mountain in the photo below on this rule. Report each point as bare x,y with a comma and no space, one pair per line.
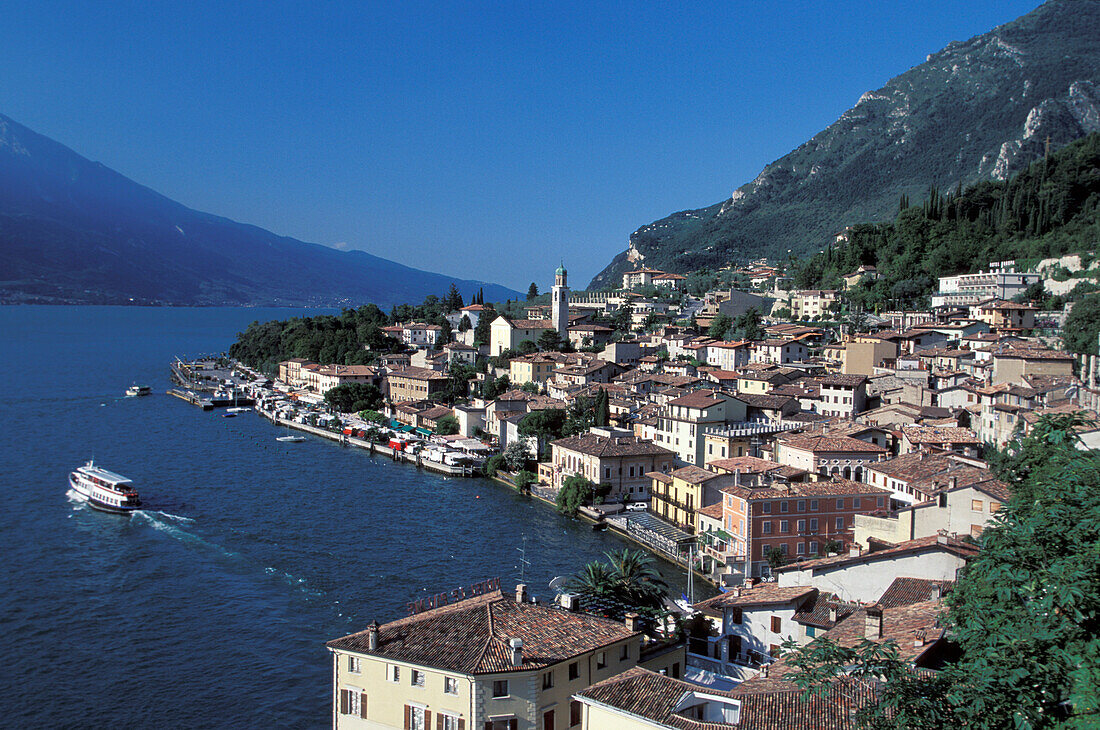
980,109
74,231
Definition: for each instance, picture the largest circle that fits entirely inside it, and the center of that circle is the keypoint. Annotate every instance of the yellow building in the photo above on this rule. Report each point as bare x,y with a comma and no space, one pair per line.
486,662
676,497
535,368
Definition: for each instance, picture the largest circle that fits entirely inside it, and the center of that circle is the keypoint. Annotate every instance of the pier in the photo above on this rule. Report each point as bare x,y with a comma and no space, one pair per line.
453,470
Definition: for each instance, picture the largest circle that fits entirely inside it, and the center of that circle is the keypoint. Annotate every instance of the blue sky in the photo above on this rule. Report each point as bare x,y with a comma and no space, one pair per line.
482,140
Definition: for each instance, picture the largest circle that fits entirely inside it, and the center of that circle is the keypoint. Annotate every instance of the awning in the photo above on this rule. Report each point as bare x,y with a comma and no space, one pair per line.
423,431
723,535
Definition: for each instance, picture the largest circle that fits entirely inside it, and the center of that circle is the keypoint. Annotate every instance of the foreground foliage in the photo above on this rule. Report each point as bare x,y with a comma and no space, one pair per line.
1025,614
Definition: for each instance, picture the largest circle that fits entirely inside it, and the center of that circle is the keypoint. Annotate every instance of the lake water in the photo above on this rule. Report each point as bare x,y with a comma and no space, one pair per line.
211,606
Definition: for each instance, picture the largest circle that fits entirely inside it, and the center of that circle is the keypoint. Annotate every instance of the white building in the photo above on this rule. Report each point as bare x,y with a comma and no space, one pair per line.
1002,281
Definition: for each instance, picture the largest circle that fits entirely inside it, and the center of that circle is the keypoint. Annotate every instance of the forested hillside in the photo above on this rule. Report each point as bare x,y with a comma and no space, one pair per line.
1049,209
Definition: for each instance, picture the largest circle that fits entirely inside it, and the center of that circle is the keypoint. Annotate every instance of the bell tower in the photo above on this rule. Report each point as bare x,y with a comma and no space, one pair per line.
560,303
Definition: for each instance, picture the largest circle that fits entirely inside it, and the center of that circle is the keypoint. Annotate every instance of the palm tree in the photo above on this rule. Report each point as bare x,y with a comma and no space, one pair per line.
636,577
594,579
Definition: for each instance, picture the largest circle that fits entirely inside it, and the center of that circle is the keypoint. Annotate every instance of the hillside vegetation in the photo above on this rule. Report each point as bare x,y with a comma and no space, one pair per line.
1049,209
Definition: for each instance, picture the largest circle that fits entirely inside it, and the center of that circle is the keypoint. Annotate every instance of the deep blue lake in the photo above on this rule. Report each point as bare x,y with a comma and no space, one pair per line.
211,606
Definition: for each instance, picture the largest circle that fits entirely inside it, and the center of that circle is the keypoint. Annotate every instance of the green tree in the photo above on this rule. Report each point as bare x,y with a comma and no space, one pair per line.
446,425
776,558
1082,326
354,397
602,417
1024,613
532,291
527,348
464,323
482,333
720,326
622,319
373,417
515,455
525,480
575,490
549,341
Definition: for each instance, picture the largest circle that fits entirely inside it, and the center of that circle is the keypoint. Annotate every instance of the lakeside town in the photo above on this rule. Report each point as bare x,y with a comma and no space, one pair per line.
830,482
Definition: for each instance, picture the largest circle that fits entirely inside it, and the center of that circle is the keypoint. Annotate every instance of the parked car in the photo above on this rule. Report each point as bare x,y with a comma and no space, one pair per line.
637,506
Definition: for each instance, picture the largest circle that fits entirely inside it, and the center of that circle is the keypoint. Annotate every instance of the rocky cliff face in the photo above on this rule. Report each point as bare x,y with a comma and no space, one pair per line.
978,109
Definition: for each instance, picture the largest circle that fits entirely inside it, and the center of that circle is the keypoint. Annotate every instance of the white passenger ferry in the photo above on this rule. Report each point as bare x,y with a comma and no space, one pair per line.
136,391
104,490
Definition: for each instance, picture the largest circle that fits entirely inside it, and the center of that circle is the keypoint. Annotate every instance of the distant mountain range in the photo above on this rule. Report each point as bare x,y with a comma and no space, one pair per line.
980,109
74,231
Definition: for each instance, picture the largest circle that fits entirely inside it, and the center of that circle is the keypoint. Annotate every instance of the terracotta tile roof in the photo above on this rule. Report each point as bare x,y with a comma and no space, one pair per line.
746,465
604,446
829,488
762,594
695,474
907,591
938,435
714,511
653,697
417,374
912,627
471,636
765,402
822,443
953,546
824,611
698,399
843,381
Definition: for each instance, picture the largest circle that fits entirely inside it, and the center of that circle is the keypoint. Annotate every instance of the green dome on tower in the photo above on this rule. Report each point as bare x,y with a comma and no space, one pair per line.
561,270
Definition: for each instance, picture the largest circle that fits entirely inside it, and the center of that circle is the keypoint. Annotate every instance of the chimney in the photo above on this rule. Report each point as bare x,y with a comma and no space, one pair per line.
936,592
764,671
516,645
521,593
872,625
633,621
737,477
736,592
942,538
832,614
854,550
953,482
372,636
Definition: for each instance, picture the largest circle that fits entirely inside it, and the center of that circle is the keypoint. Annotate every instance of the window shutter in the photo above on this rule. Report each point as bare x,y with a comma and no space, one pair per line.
408,717
439,722
427,719
461,723
513,724
363,705
343,702
488,725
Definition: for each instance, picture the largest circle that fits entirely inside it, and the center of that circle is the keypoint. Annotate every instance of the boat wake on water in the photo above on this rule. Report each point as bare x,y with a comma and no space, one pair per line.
173,526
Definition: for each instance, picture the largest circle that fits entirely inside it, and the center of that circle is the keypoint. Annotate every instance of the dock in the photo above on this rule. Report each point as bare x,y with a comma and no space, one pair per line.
453,470
193,398
209,402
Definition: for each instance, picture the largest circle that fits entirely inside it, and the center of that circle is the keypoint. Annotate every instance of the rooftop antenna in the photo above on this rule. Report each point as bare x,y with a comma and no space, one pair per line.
524,563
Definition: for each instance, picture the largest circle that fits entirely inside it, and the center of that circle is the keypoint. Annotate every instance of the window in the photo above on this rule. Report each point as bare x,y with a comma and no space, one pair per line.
393,672
943,499
840,523
353,664
783,548
548,720
766,527
574,670
801,548
800,505
766,508
813,524
624,652
976,505
801,526
813,505
811,632
855,502
777,624
500,688
601,660
416,678
994,506
574,713
784,525
879,502
813,548
353,702
450,685
449,722
783,507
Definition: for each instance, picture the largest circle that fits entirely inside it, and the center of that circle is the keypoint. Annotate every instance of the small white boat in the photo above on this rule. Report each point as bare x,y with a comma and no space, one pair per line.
291,439
238,409
104,490
136,391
